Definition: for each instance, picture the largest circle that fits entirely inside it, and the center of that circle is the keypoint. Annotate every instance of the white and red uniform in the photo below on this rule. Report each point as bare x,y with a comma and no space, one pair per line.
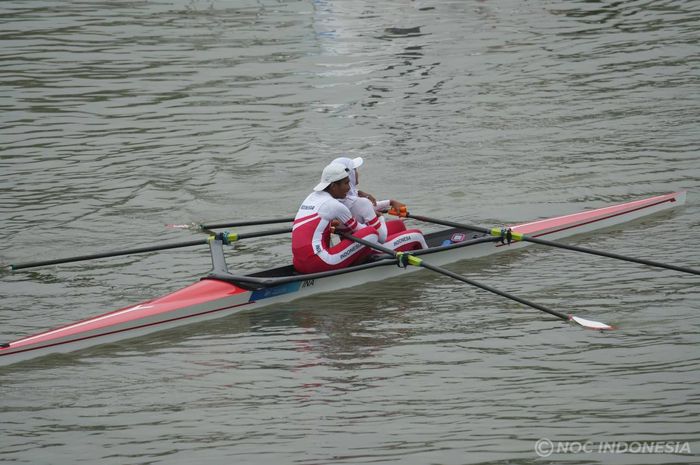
311,236
365,212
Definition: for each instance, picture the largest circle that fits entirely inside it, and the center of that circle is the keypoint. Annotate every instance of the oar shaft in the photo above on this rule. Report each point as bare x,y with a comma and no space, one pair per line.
537,240
458,277
154,248
117,253
271,232
641,261
236,224
451,224
486,287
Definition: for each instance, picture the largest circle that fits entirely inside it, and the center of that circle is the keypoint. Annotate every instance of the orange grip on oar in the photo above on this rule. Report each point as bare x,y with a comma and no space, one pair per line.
402,214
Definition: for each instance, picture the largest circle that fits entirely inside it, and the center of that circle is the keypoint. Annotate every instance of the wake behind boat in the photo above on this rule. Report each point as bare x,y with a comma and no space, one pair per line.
222,293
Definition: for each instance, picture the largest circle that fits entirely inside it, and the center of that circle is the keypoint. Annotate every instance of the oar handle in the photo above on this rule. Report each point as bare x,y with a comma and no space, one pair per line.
370,244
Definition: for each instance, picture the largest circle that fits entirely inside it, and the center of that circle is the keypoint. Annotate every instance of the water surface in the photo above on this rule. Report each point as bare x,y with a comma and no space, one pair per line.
120,117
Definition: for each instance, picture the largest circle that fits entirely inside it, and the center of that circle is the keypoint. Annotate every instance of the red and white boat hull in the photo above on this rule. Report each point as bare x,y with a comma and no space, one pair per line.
211,298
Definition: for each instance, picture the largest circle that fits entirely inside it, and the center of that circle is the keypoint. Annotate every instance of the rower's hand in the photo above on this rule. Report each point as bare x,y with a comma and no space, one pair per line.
397,208
370,197
334,225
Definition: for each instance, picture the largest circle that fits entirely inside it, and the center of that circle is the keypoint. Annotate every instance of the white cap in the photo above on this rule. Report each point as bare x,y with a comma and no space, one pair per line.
332,173
352,163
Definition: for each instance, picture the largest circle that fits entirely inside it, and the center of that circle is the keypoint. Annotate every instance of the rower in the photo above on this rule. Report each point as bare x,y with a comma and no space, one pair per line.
366,209
319,212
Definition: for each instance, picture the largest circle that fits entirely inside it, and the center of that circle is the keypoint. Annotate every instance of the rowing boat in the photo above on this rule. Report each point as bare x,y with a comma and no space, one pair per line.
222,293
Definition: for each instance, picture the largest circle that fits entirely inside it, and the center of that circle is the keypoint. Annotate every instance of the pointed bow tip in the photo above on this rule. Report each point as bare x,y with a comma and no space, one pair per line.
590,324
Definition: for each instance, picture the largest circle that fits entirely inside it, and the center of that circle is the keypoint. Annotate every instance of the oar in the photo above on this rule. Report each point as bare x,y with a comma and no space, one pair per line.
405,259
512,235
226,237
235,224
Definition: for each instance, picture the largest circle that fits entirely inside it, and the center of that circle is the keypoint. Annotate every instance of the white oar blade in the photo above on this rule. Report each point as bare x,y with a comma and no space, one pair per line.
590,324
